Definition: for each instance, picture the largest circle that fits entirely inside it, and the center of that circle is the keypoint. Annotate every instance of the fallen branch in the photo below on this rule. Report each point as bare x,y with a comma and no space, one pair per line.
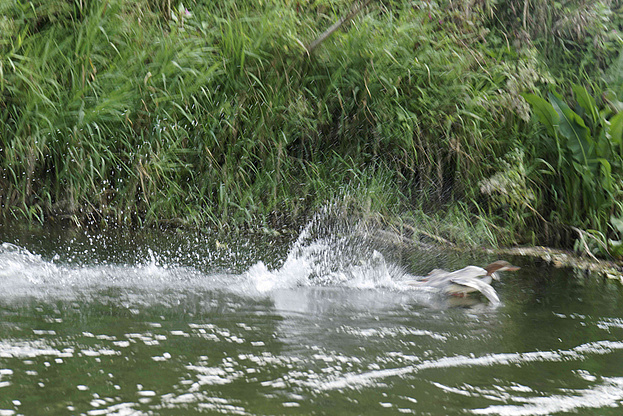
439,239
335,26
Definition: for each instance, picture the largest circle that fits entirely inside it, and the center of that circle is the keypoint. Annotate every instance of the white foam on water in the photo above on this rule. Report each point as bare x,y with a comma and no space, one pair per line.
27,274
30,349
606,394
203,401
301,271
578,353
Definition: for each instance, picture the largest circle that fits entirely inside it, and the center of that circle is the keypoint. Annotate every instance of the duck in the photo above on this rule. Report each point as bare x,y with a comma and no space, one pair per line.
466,280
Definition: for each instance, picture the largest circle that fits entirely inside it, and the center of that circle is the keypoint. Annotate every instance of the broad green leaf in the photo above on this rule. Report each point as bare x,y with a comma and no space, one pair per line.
603,144
587,102
544,111
616,128
617,223
606,174
616,248
572,127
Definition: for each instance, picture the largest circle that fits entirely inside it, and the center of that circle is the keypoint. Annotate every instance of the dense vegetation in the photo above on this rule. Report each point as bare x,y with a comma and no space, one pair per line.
444,116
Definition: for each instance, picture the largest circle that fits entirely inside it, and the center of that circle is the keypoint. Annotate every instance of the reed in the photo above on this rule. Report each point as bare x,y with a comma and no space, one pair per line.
215,114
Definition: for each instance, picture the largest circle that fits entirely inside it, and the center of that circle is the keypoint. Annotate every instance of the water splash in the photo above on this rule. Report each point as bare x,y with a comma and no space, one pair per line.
24,273
332,249
17,262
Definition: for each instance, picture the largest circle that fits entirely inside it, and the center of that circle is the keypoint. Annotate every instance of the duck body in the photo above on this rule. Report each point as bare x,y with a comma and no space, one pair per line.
466,280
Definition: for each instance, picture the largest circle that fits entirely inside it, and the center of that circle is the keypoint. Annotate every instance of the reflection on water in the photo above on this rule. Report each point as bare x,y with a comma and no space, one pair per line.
176,324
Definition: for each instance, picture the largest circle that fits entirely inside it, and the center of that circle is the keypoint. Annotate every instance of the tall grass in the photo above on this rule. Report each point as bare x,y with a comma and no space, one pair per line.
214,113
218,115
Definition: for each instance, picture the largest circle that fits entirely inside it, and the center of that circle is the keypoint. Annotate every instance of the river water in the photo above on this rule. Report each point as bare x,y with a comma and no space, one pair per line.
180,323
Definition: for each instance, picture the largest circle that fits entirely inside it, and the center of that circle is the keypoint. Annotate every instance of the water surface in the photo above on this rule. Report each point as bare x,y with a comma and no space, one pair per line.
180,323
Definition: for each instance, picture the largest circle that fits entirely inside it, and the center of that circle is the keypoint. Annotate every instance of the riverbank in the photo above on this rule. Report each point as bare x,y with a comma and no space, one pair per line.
218,115
427,238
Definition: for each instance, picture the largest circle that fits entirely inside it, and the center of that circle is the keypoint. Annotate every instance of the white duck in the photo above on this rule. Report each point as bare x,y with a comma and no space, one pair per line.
466,280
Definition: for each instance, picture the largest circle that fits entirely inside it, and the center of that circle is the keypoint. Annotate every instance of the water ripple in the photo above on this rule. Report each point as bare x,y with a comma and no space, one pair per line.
578,353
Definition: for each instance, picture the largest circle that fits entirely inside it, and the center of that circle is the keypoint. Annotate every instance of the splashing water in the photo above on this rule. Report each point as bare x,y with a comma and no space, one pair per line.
330,251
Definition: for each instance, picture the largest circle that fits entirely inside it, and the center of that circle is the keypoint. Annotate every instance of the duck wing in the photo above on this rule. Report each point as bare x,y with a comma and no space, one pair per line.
434,279
436,273
486,289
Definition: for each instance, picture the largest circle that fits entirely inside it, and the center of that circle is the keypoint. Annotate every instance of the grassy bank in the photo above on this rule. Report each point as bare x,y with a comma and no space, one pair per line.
214,114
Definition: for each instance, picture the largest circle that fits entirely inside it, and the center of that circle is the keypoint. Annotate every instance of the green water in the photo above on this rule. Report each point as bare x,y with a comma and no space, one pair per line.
169,323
